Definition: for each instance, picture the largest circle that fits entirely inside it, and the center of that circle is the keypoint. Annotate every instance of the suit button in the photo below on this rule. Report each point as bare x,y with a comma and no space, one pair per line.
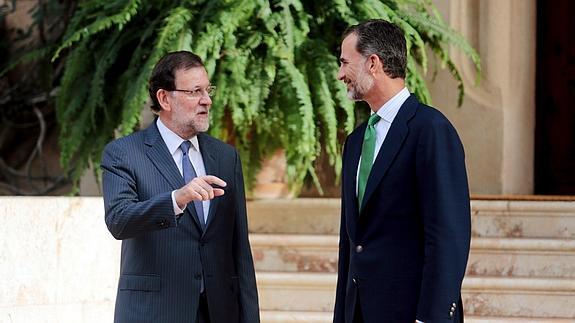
359,249
198,276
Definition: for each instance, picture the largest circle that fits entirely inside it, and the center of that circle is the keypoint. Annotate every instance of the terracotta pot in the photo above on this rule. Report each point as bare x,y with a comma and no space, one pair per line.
271,180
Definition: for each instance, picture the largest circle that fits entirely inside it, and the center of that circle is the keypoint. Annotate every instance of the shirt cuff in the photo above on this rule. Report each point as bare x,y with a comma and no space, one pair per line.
177,210
418,321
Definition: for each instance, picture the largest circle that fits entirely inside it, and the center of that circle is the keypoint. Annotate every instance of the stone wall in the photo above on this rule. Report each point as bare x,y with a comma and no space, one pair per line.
497,120
58,261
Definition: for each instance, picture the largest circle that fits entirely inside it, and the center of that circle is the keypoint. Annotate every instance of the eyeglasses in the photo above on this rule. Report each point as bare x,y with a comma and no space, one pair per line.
198,93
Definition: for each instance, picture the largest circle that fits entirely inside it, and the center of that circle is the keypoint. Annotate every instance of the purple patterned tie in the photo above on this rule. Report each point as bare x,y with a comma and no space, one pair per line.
189,174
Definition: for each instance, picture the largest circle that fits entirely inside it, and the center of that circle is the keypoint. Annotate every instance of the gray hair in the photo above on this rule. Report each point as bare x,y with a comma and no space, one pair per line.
384,39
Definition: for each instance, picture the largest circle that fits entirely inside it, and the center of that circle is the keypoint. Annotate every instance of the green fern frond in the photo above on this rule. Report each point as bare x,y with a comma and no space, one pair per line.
371,9
321,73
120,19
344,12
74,70
72,138
136,95
274,63
303,150
415,82
327,113
445,34
442,53
104,57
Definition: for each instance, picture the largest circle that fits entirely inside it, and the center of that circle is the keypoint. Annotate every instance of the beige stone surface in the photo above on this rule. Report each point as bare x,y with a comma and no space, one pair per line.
522,257
525,219
302,253
296,316
296,292
63,264
506,219
489,256
497,120
327,317
521,271
294,216
60,261
485,296
96,312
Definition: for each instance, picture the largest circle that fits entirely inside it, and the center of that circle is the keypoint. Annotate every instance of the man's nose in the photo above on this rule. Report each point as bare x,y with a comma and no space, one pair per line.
206,100
340,74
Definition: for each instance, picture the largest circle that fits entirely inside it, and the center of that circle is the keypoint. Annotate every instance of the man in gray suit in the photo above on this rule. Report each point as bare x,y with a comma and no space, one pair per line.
175,197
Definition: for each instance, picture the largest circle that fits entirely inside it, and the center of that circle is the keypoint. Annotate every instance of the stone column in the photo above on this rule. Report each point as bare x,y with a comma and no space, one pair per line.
497,120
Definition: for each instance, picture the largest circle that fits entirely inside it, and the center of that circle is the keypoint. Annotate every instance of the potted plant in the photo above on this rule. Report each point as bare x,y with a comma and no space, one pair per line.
274,63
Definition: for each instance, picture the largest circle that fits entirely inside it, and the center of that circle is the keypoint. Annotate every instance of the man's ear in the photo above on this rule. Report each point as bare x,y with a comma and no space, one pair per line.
375,64
164,99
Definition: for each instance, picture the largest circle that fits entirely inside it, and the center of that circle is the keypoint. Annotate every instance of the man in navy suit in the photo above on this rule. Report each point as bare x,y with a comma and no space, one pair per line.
405,216
175,197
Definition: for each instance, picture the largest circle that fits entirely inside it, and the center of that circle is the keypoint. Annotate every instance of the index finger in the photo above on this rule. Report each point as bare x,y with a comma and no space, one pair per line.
211,179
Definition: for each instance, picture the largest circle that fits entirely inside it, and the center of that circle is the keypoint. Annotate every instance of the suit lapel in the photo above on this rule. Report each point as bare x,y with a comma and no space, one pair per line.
391,146
354,147
212,167
158,153
161,158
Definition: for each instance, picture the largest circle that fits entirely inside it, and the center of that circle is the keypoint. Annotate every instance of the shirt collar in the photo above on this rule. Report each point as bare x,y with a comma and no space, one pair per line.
390,109
172,140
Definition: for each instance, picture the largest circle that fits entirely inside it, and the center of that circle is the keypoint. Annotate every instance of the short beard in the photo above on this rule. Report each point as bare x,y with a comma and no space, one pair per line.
363,83
191,127
197,127
201,127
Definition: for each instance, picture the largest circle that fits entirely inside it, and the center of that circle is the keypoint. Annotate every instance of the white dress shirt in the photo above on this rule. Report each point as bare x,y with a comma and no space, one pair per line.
173,142
387,113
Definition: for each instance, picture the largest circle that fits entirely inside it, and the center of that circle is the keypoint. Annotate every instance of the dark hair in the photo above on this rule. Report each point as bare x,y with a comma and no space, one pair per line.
384,39
164,73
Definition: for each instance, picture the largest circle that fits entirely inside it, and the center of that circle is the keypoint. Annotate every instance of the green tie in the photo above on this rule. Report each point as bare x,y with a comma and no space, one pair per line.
367,151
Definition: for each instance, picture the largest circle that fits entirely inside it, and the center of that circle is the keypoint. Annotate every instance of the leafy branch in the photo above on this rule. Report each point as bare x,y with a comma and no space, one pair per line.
274,62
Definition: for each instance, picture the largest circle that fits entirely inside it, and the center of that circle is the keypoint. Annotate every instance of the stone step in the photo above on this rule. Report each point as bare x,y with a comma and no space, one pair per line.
513,219
528,219
327,317
478,319
489,256
518,257
482,296
296,291
295,317
300,216
293,252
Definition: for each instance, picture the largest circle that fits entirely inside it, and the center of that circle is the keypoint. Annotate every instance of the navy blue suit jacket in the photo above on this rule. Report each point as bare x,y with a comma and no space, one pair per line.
163,259
404,255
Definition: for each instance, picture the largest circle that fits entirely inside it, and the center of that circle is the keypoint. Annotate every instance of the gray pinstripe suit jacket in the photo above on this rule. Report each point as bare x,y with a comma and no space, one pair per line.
163,259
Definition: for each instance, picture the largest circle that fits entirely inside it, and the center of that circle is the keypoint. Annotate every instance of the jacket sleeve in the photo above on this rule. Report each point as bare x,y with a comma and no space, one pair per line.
343,261
444,196
249,308
126,215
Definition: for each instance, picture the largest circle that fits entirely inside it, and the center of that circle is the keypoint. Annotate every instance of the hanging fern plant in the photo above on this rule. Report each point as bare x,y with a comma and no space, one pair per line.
274,62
